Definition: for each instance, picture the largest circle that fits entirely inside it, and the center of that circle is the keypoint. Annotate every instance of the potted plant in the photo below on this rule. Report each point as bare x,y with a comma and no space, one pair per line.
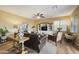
59,29
3,33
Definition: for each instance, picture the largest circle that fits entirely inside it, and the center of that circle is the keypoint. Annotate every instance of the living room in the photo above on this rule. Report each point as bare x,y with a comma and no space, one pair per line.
44,20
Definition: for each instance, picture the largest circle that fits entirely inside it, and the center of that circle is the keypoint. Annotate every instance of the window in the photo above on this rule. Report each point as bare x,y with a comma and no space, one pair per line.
60,24
56,25
23,27
74,24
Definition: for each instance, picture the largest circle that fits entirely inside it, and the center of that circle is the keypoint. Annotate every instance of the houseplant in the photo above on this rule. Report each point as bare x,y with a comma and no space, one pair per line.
3,32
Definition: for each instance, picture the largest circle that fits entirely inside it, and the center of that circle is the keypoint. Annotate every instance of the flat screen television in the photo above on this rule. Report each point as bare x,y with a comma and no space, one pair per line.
44,28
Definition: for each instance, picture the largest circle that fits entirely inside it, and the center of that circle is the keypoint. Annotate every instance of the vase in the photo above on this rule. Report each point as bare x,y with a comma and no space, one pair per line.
3,38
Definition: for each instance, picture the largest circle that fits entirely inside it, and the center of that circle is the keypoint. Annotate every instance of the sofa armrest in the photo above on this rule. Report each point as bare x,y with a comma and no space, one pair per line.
42,42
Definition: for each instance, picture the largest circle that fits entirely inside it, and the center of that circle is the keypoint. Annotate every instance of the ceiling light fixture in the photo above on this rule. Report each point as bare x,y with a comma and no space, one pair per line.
38,16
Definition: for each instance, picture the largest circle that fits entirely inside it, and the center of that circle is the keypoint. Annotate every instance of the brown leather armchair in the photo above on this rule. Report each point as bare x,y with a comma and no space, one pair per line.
33,42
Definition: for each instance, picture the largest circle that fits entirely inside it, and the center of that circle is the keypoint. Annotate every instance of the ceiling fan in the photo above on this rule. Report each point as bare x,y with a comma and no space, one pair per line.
38,15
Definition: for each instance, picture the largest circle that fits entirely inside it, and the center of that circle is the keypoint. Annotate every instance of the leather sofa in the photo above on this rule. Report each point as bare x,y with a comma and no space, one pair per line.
36,43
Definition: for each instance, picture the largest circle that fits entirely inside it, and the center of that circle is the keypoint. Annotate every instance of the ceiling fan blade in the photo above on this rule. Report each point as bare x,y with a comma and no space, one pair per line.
41,14
34,15
38,14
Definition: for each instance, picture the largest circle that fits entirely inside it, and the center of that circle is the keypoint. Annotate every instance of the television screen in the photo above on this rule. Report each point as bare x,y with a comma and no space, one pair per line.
44,28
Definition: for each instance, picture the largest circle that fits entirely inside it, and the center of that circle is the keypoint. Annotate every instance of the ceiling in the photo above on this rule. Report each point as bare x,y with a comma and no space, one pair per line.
49,11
